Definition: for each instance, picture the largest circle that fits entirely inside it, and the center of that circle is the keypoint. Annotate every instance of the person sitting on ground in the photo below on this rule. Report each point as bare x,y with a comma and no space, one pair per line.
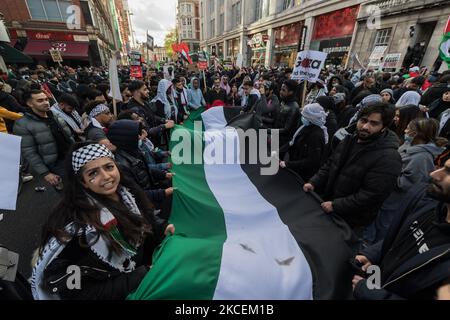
66,108
104,225
100,119
46,138
413,258
124,134
362,171
304,151
422,145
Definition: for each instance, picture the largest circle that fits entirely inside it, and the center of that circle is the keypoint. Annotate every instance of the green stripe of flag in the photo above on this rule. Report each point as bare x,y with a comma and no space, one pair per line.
198,242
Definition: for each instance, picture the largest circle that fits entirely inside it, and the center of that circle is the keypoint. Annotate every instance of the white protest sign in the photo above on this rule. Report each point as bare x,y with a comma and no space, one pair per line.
308,65
9,170
114,91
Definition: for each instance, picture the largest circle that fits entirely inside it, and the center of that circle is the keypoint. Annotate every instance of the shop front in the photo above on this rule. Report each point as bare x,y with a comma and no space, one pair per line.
333,33
257,47
74,48
286,40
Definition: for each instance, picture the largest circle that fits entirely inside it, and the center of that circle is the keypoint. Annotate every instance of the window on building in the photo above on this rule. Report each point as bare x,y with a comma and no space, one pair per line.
236,14
383,37
189,21
291,3
188,8
49,10
189,34
259,9
212,28
221,23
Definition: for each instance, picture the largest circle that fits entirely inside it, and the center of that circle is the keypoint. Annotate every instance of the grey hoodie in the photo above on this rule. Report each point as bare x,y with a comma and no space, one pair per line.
417,163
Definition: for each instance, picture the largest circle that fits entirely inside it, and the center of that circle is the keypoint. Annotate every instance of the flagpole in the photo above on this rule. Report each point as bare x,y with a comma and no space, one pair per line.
204,80
305,88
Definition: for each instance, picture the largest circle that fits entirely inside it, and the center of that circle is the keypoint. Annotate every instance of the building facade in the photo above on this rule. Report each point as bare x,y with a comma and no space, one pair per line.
188,23
407,33
268,32
82,30
160,54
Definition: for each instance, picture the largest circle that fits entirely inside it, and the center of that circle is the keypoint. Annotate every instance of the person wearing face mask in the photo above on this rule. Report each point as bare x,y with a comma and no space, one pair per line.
124,134
362,171
422,145
304,151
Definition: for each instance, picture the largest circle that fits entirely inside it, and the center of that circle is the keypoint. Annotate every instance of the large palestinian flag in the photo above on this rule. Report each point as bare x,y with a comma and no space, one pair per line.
240,234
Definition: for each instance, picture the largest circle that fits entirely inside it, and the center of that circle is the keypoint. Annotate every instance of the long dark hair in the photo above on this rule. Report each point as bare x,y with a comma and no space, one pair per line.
77,208
427,130
407,114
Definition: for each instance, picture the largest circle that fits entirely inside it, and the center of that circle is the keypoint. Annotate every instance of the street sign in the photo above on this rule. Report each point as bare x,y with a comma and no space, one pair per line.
56,55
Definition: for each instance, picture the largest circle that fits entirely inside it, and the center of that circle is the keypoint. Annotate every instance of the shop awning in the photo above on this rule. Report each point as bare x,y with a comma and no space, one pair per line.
70,50
12,55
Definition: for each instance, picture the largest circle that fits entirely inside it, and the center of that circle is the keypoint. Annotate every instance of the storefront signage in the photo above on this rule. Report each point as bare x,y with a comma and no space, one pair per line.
340,45
55,36
308,65
336,24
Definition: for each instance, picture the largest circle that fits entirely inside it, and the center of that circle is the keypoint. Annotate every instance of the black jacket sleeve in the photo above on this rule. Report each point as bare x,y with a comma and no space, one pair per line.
315,149
377,185
362,292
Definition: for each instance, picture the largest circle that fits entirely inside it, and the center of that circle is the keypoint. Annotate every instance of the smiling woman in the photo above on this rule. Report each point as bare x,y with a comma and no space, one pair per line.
104,226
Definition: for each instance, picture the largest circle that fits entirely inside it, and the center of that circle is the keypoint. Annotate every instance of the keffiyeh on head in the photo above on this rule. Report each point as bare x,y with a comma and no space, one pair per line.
408,98
316,115
101,108
89,153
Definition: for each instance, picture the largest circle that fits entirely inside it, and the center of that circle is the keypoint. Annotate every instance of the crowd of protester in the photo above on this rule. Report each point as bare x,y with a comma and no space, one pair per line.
374,145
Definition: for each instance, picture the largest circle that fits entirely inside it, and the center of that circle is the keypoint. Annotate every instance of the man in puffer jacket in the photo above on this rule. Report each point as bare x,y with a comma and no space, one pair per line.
45,137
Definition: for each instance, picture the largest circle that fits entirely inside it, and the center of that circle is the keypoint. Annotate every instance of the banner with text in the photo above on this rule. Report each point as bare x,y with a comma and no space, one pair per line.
308,65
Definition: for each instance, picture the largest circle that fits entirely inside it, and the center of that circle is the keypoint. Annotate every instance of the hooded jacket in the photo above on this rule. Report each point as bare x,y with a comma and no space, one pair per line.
358,182
417,163
195,96
124,135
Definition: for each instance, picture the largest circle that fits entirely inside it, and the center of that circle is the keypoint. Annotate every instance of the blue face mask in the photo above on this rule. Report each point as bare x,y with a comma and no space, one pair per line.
305,121
408,138
140,143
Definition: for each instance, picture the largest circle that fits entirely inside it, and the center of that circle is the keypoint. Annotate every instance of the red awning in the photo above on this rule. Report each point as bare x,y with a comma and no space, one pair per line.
69,49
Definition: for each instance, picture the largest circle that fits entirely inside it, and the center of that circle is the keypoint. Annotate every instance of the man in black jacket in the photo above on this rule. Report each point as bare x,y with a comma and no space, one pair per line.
288,117
363,170
414,257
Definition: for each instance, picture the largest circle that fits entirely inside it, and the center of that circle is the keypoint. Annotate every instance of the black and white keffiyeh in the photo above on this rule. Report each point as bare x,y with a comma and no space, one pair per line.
99,246
88,153
101,108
